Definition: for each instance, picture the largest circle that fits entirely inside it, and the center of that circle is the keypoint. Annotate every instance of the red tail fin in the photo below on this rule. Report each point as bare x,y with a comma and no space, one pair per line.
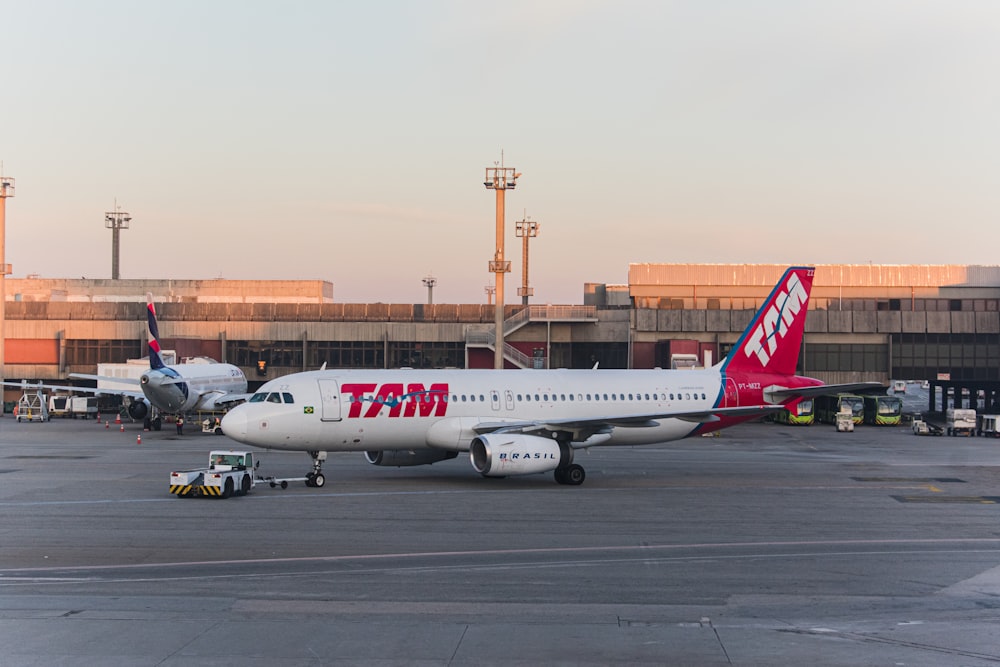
772,342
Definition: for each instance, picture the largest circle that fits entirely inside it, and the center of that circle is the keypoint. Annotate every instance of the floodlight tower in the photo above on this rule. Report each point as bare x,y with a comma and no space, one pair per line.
429,283
500,179
6,190
116,221
525,229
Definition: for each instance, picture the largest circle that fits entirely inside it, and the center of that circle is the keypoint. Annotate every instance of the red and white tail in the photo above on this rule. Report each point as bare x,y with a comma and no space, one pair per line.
772,342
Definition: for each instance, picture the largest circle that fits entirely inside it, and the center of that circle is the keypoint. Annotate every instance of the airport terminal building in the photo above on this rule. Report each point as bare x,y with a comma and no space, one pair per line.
866,322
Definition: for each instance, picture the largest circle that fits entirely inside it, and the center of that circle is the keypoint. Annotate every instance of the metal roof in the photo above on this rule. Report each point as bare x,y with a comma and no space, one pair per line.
844,275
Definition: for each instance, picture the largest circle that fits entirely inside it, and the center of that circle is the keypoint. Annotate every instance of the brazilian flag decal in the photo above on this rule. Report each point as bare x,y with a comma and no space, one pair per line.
308,409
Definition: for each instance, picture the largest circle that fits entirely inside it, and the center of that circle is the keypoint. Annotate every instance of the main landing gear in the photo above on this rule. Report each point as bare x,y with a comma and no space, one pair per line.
568,473
316,478
571,475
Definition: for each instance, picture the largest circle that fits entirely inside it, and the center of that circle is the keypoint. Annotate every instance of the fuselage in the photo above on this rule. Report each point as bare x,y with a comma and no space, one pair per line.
186,387
347,410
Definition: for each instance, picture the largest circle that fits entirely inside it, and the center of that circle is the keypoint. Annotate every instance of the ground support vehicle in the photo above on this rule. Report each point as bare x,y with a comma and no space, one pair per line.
83,407
32,407
988,426
828,406
212,425
228,473
800,413
921,427
883,410
845,421
960,421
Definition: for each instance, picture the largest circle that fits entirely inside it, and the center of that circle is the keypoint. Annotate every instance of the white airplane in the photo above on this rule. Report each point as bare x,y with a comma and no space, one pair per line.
532,421
173,389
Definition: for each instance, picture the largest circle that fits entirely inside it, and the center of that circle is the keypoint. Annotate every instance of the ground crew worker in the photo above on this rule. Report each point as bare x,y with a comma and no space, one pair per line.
180,425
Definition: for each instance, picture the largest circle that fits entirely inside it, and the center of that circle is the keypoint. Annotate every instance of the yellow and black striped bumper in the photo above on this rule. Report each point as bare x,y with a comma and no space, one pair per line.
195,490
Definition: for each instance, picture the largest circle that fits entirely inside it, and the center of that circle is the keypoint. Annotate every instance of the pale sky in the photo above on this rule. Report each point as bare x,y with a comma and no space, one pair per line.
347,141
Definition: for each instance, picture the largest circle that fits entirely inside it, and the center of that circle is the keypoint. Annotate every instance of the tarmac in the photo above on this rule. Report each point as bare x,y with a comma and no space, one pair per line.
767,545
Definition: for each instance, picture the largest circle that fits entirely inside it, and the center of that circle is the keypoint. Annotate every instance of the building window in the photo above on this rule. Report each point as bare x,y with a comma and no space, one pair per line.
82,352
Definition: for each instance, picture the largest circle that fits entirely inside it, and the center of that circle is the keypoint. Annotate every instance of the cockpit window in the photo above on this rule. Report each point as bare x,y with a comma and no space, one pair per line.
274,397
258,398
287,397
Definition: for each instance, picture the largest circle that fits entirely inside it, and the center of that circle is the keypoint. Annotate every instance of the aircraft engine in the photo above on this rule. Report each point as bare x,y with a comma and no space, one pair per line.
502,454
407,457
138,409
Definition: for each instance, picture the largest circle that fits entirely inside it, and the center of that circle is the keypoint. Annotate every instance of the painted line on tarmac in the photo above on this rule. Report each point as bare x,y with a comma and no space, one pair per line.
279,496
637,548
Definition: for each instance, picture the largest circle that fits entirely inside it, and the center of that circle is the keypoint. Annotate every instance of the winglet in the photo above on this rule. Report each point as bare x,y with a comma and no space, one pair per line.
772,342
155,360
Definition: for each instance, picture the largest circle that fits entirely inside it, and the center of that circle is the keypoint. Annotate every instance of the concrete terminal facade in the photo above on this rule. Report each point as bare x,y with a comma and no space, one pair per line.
866,322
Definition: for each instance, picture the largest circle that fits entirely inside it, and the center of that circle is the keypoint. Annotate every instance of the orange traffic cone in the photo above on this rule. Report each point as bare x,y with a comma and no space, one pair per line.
138,439
106,425
122,429
118,418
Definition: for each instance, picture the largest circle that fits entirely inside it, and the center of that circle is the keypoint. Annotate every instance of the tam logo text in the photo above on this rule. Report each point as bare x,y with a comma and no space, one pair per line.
414,401
763,340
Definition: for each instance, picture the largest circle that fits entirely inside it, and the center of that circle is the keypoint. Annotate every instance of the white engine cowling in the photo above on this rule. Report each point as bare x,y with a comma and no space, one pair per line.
407,457
502,454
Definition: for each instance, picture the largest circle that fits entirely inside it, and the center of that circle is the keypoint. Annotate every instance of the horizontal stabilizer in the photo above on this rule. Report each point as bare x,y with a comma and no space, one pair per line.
778,394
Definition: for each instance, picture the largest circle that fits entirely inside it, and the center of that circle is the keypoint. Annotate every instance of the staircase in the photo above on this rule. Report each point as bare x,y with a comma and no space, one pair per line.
486,337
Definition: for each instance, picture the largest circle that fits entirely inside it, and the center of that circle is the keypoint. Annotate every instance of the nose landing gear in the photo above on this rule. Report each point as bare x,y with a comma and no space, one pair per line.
316,478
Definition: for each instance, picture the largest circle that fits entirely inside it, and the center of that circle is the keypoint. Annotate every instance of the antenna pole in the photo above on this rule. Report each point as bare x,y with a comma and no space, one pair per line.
499,179
6,190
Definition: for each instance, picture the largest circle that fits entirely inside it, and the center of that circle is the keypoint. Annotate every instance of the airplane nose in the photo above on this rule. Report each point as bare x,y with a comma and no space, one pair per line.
234,424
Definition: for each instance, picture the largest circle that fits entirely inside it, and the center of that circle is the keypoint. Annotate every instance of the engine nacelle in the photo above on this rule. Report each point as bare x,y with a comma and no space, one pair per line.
401,458
502,454
138,409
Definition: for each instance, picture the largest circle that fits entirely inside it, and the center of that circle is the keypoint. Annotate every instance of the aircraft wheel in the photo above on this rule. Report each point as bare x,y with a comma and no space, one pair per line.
157,424
318,480
575,474
560,475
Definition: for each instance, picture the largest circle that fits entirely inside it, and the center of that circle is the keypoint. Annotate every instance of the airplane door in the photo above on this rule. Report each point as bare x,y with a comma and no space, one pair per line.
732,397
508,396
329,391
495,399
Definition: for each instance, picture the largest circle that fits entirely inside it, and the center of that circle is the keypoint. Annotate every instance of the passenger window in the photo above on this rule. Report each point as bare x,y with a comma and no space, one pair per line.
630,397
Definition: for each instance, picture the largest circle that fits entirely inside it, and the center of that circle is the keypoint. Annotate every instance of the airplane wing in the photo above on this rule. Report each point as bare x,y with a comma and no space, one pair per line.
106,378
584,428
84,390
